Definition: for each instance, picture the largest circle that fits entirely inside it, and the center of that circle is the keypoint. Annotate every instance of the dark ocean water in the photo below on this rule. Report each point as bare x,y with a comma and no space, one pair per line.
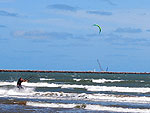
75,92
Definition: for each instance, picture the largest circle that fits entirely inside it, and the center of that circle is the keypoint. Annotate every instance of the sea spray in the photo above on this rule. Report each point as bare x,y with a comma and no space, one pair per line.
16,91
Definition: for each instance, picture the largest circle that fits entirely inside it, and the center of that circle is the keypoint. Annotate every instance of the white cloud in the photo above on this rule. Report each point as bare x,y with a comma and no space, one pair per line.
42,35
128,30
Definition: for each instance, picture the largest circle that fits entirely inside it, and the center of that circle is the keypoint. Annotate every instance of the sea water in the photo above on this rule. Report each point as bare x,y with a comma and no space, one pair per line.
75,92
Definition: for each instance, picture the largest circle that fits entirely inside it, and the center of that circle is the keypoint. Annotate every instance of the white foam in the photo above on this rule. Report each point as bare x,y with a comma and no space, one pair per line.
31,93
95,97
88,107
118,98
116,109
77,79
46,79
118,89
72,86
8,83
42,84
88,87
5,92
89,97
30,84
99,80
108,88
104,80
53,105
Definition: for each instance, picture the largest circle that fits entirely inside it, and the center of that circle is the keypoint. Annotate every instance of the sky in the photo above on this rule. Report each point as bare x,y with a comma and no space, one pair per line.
59,35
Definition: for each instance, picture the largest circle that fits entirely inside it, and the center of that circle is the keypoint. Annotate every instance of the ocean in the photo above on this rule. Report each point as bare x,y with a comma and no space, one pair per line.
75,93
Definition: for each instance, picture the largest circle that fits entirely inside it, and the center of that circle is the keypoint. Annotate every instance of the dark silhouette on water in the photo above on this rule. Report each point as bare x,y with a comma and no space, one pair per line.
20,80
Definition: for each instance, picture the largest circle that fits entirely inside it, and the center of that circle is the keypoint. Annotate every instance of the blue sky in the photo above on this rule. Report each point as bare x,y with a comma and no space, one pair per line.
58,35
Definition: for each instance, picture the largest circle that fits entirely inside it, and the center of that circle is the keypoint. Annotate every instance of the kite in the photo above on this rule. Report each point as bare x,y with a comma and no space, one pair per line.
98,27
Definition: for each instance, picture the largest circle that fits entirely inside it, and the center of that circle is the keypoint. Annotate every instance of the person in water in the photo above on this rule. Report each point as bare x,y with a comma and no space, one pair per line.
20,80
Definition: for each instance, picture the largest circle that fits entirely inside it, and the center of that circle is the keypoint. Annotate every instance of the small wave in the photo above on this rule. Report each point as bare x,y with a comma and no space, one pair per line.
8,83
77,79
104,80
109,88
46,79
32,94
116,109
119,89
98,80
53,105
93,97
87,87
5,92
88,107
30,84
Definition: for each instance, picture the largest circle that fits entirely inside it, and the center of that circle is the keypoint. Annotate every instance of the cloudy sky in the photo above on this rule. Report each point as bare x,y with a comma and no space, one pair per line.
58,35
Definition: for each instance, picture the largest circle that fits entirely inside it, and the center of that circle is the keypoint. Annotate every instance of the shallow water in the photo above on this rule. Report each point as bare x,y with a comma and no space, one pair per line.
75,92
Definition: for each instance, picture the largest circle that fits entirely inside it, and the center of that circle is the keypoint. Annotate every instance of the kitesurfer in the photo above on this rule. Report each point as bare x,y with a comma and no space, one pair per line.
20,80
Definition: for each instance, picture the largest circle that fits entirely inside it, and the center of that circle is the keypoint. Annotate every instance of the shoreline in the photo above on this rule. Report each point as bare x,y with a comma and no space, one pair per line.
47,71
